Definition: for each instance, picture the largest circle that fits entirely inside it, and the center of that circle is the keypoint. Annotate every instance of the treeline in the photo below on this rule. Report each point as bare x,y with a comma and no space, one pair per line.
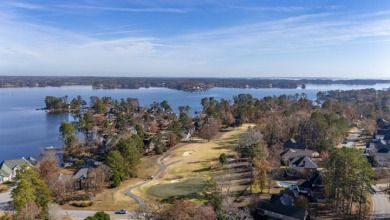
365,103
61,103
186,84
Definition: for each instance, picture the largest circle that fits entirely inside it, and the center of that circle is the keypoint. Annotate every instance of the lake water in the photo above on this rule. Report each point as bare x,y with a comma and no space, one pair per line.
24,131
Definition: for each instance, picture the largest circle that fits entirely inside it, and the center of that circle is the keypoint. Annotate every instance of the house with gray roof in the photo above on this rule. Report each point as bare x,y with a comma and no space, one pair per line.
303,166
8,168
289,153
281,207
382,124
79,178
293,144
382,135
380,150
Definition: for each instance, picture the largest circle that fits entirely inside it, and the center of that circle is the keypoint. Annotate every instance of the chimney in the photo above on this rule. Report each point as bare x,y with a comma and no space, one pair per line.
304,163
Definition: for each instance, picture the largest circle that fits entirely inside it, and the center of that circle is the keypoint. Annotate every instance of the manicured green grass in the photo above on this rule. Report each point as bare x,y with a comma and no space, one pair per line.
191,188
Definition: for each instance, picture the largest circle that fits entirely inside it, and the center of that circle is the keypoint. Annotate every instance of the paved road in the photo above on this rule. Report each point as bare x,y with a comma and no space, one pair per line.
353,136
82,214
381,205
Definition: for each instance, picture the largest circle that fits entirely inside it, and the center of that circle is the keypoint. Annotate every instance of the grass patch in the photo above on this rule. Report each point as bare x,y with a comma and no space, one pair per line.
187,188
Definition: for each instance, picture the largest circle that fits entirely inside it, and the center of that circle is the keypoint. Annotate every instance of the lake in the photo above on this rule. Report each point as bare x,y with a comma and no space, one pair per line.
24,131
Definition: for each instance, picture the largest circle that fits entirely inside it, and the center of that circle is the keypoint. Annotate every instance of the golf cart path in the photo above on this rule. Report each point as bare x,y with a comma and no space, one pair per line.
140,200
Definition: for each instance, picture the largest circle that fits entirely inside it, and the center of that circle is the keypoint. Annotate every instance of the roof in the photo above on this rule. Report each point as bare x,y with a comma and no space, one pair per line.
379,146
283,205
80,173
307,184
382,123
7,166
291,153
385,133
316,178
291,143
303,161
312,182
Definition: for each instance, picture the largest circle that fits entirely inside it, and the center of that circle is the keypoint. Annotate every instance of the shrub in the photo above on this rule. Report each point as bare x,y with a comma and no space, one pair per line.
82,204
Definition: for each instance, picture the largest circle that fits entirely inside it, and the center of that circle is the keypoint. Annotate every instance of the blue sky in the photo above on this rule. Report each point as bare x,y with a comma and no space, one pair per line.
196,38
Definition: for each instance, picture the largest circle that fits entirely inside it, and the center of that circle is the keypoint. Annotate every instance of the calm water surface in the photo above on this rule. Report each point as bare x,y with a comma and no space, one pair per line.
24,131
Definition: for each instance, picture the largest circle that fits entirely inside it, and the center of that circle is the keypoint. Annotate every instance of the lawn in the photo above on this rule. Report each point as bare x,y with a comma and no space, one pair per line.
191,187
195,158
111,199
115,199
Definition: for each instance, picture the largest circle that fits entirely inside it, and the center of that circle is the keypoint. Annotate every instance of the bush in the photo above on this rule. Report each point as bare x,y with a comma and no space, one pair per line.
116,180
99,216
82,204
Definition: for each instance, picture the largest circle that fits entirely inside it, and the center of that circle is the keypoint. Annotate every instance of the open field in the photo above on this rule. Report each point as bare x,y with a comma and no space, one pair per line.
199,159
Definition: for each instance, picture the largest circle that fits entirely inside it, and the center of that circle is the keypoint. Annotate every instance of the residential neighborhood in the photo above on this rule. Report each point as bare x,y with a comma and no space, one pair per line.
151,161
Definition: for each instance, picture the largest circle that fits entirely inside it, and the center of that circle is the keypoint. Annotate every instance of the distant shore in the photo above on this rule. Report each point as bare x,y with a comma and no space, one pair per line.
184,84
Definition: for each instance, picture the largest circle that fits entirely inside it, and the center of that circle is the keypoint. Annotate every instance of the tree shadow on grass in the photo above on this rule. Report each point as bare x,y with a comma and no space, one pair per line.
201,170
189,196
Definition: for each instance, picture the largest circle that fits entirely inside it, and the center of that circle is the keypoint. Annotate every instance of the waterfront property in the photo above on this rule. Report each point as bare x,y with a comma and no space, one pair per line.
8,168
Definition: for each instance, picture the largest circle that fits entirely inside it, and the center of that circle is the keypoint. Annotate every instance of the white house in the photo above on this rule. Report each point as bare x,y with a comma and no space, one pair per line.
8,168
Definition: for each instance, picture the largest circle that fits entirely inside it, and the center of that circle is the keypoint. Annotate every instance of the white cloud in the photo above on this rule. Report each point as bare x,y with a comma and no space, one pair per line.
123,9
26,5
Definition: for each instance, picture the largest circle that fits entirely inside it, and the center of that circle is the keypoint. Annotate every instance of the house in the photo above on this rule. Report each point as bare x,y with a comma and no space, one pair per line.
79,178
303,166
281,207
380,150
382,135
313,188
289,153
293,144
382,124
8,168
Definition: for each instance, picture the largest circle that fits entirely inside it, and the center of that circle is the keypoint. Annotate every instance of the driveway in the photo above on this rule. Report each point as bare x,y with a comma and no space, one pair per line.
381,205
4,199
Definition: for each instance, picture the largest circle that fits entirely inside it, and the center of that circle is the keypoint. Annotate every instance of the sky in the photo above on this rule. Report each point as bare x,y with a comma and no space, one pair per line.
196,38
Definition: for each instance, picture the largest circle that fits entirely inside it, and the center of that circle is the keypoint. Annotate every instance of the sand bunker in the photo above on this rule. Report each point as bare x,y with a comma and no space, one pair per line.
187,153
